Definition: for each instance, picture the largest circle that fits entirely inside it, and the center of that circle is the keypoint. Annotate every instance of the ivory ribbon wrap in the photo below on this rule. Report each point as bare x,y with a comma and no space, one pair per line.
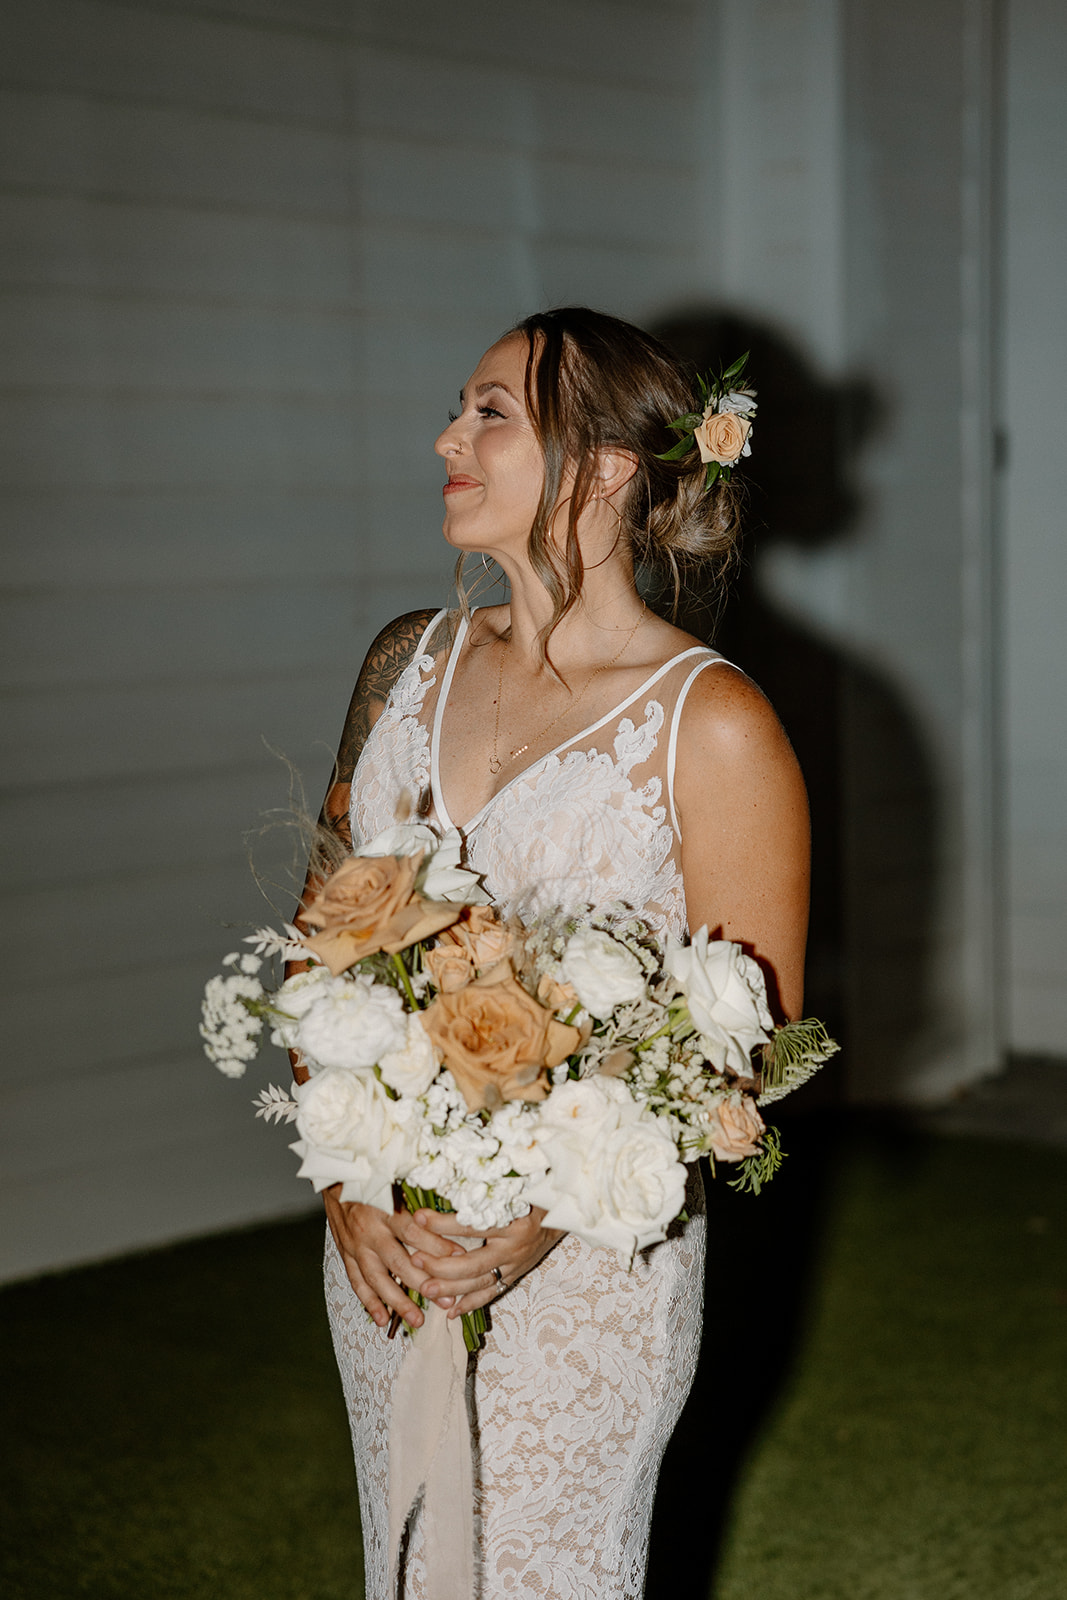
430,1455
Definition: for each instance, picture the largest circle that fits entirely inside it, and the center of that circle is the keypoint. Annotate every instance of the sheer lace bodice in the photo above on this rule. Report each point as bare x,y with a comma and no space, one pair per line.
590,823
587,1363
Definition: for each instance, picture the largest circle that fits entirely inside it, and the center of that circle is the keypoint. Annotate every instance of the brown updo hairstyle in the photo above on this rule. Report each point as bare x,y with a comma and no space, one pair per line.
593,383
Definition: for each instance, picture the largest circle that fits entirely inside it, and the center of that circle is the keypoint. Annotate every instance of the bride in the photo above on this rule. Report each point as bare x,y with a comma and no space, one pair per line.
589,752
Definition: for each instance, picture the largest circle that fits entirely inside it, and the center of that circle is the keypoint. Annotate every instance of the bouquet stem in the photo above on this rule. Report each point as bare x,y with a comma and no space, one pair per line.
475,1323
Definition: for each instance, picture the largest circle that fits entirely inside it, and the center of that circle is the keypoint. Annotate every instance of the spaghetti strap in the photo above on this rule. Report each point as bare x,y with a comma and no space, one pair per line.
672,742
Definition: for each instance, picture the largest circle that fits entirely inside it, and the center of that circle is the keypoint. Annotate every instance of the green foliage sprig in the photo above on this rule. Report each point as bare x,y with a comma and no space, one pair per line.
794,1054
759,1169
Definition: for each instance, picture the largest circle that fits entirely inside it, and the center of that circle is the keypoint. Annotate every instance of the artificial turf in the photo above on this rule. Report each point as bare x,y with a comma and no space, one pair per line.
880,1414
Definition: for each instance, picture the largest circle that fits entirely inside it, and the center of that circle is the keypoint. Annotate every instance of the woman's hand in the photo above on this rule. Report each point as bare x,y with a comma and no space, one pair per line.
464,1281
377,1249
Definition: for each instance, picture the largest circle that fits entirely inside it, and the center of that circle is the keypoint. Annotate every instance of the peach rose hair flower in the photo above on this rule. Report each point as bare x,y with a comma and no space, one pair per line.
721,431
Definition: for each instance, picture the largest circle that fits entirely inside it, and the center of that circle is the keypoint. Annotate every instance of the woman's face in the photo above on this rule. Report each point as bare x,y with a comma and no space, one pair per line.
495,467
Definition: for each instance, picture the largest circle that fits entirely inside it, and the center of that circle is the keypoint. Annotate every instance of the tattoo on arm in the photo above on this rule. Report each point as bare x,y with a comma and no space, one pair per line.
387,657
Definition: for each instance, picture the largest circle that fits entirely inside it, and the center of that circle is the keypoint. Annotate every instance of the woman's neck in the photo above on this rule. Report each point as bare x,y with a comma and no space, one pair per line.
608,608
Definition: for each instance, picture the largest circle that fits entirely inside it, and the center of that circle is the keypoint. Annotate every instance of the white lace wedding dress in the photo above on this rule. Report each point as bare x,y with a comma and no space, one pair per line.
587,1365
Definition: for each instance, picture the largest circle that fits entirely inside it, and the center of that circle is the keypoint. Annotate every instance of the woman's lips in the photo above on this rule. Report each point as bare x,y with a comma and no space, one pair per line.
454,485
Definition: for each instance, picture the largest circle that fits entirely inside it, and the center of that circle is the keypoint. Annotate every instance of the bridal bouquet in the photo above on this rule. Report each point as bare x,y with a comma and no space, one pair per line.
577,1063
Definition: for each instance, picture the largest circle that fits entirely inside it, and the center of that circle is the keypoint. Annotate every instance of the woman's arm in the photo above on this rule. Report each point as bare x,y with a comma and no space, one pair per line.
387,657
375,1248
743,813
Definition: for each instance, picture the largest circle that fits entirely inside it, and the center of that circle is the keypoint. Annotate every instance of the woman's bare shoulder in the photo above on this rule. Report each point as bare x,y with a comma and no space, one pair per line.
727,721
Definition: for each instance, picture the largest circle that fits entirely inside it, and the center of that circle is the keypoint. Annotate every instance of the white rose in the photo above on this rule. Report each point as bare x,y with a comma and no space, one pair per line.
603,973
740,402
589,1107
352,1023
405,839
644,1183
353,1134
293,999
411,1069
614,1176
726,996
441,877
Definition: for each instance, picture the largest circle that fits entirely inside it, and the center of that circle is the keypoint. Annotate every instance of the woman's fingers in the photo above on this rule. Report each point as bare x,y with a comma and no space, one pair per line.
475,1279
417,1238
378,1264
392,1293
467,1276
363,1292
443,1223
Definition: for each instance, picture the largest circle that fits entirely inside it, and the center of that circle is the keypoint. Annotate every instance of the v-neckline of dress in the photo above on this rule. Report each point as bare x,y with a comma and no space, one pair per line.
442,812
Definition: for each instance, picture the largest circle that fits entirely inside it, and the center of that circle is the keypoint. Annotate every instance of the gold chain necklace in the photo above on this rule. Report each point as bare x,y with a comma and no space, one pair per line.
495,763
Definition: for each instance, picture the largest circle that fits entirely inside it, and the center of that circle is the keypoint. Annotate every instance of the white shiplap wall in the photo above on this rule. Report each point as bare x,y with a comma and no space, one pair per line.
249,252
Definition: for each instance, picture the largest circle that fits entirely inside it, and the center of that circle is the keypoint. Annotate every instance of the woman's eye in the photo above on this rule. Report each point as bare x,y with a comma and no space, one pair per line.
489,411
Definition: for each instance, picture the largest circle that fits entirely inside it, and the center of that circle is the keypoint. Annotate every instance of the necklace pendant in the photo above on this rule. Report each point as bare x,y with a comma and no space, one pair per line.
494,765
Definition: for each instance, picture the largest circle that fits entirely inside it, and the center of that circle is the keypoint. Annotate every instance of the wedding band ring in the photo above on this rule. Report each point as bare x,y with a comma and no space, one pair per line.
500,1283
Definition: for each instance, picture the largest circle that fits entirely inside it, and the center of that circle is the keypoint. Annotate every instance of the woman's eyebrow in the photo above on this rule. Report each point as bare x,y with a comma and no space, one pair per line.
484,388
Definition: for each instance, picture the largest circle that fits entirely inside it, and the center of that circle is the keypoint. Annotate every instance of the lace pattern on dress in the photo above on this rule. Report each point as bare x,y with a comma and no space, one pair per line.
393,770
575,830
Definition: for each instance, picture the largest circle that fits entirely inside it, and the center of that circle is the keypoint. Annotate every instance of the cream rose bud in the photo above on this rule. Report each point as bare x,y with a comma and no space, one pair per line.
352,1023
292,999
602,972
411,1069
735,1128
352,1133
726,996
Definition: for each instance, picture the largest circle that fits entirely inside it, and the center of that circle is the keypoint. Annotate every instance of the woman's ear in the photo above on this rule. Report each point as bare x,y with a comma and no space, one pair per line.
614,469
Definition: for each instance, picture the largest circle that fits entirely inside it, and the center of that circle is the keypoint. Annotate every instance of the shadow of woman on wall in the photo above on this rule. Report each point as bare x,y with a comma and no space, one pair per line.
874,850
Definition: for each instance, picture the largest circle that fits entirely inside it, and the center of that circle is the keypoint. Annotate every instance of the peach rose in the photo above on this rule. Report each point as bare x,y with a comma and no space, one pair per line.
555,995
370,904
736,1128
721,437
483,936
449,965
496,1040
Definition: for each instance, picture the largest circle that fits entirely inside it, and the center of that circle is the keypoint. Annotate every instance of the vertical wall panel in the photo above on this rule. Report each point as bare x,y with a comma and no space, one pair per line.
1035,553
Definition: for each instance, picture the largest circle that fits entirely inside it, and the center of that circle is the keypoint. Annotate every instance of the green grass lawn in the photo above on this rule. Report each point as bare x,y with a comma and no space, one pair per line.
881,1412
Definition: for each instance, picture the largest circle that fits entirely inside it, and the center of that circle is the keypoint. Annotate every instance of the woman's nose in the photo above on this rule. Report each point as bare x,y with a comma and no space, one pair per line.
449,443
